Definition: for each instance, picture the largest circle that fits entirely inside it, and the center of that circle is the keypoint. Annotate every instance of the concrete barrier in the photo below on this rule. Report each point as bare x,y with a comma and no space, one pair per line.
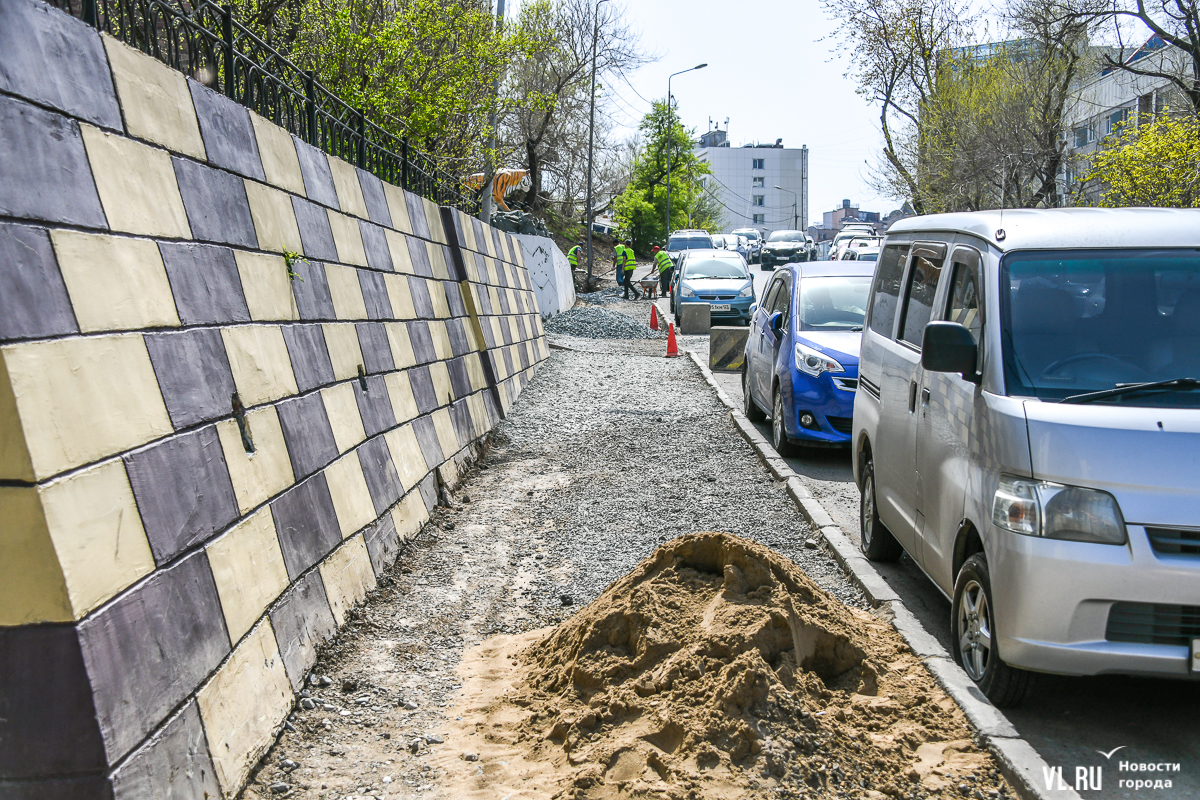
727,348
694,318
233,372
550,273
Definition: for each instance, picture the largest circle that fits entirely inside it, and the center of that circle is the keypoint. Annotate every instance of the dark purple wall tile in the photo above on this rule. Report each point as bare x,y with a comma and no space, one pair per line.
422,302
419,256
375,406
306,523
481,265
460,414
309,355
216,205
372,189
505,308
310,287
375,295
318,180
56,60
174,765
454,299
151,647
193,374
373,341
382,480
302,621
307,432
416,215
47,718
315,233
228,135
429,492
46,171
422,387
33,297
375,243
383,543
460,381
205,282
427,439
522,331
422,342
458,337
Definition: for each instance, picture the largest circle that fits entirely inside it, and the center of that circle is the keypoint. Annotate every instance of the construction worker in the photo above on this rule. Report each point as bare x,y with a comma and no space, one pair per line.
665,270
619,262
630,266
574,254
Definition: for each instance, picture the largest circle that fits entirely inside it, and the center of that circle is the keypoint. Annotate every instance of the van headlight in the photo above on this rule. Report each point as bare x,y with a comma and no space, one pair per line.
814,362
686,291
1055,511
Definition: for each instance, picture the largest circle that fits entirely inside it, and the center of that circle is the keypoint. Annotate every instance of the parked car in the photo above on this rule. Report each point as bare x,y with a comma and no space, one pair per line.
1027,430
783,247
853,230
717,277
755,239
683,240
801,365
857,243
731,241
861,254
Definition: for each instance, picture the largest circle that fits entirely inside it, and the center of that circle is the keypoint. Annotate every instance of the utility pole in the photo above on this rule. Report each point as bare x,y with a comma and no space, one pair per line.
670,128
592,137
489,170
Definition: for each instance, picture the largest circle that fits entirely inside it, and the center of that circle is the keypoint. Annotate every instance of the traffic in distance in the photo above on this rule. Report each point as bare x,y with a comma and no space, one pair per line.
1018,394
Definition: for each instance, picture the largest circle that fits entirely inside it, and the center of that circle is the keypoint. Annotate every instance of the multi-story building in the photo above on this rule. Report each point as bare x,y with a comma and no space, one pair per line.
832,221
757,186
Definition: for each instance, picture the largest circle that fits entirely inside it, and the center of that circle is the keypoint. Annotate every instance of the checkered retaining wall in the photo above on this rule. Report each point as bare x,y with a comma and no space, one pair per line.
205,462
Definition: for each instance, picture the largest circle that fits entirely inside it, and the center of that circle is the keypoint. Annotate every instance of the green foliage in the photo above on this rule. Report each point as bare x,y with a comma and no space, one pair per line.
641,209
1156,163
290,259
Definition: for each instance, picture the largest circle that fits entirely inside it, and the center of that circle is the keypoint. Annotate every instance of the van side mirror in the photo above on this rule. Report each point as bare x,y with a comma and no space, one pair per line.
949,347
775,323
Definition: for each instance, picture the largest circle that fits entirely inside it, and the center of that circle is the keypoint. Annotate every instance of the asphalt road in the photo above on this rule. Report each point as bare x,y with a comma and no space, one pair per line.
1066,719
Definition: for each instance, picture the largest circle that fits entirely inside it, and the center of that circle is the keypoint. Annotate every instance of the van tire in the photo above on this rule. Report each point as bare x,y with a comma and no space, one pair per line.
972,620
779,437
749,407
876,541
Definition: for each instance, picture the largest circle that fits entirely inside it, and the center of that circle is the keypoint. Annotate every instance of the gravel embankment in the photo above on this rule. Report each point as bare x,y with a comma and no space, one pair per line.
599,323
606,454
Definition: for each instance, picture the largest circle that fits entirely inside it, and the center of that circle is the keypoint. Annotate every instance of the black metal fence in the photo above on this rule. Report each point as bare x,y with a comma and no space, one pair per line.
207,42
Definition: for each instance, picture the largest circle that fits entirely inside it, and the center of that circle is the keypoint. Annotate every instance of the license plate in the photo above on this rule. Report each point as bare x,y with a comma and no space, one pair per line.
719,307
1195,660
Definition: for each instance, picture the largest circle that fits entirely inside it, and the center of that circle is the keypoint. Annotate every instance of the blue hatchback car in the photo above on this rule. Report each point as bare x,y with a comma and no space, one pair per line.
717,277
801,366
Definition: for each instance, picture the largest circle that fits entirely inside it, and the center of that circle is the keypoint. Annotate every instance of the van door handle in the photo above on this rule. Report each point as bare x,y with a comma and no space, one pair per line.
912,397
924,401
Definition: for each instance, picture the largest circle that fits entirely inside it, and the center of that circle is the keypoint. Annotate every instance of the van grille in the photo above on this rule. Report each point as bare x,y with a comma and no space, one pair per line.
1175,541
1152,623
841,424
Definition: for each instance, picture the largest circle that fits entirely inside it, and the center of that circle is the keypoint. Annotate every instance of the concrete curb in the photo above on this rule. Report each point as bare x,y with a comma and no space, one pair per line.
1020,764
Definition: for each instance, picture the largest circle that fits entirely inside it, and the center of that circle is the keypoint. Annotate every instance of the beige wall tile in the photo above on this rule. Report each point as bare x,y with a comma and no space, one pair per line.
137,185
274,218
475,371
406,455
349,191
437,293
398,246
83,399
115,282
278,153
259,359
257,476
244,705
437,260
398,207
441,382
344,418
341,339
445,431
401,344
441,340
348,576
433,216
479,417
32,587
494,297
266,286
346,292
247,566
404,404
409,515
351,498
14,455
155,100
348,239
400,296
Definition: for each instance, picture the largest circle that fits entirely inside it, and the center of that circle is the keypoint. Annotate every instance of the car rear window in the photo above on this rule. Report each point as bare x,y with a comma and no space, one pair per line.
690,243
715,268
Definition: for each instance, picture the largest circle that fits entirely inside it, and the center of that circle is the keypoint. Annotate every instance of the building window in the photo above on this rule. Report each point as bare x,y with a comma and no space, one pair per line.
759,200
760,183
758,164
1084,136
760,219
1117,119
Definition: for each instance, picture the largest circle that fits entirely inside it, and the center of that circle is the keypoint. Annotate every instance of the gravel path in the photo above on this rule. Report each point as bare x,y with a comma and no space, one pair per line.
600,323
606,454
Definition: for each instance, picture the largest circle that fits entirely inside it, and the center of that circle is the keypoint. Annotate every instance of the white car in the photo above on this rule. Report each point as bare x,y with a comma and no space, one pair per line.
855,244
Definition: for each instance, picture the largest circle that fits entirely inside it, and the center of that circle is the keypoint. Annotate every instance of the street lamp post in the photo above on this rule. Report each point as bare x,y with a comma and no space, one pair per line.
795,211
670,120
592,136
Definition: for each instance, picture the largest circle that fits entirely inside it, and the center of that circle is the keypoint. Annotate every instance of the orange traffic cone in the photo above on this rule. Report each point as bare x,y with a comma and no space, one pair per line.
672,347
653,316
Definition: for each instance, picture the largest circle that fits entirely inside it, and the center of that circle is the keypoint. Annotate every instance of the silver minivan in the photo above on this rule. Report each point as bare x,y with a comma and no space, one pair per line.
1027,428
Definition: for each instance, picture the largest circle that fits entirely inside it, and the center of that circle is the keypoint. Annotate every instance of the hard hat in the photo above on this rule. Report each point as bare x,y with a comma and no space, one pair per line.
655,250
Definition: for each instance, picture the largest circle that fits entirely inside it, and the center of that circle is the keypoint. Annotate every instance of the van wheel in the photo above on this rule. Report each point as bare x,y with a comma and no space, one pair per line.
778,431
877,541
974,633
749,407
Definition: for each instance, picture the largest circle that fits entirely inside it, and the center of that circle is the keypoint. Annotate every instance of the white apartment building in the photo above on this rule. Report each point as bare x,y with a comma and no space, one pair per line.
743,182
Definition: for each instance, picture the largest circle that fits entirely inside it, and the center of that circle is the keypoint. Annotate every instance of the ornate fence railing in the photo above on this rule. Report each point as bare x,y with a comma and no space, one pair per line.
207,42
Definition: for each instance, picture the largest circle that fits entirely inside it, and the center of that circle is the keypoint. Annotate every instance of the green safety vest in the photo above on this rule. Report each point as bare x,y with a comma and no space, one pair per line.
573,255
630,259
663,260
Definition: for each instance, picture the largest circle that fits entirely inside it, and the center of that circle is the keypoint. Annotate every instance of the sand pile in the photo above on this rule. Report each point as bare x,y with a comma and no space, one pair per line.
715,669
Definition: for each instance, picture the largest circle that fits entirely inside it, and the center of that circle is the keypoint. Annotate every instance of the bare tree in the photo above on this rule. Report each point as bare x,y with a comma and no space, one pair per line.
1177,24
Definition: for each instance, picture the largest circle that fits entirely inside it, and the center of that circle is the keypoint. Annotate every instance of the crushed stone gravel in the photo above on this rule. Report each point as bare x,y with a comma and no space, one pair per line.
599,323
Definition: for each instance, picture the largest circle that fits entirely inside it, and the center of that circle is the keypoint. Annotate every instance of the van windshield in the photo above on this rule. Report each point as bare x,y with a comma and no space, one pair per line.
1086,321
834,304
689,243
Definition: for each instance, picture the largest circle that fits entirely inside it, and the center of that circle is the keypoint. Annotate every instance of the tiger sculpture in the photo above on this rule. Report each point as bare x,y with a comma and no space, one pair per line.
506,182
